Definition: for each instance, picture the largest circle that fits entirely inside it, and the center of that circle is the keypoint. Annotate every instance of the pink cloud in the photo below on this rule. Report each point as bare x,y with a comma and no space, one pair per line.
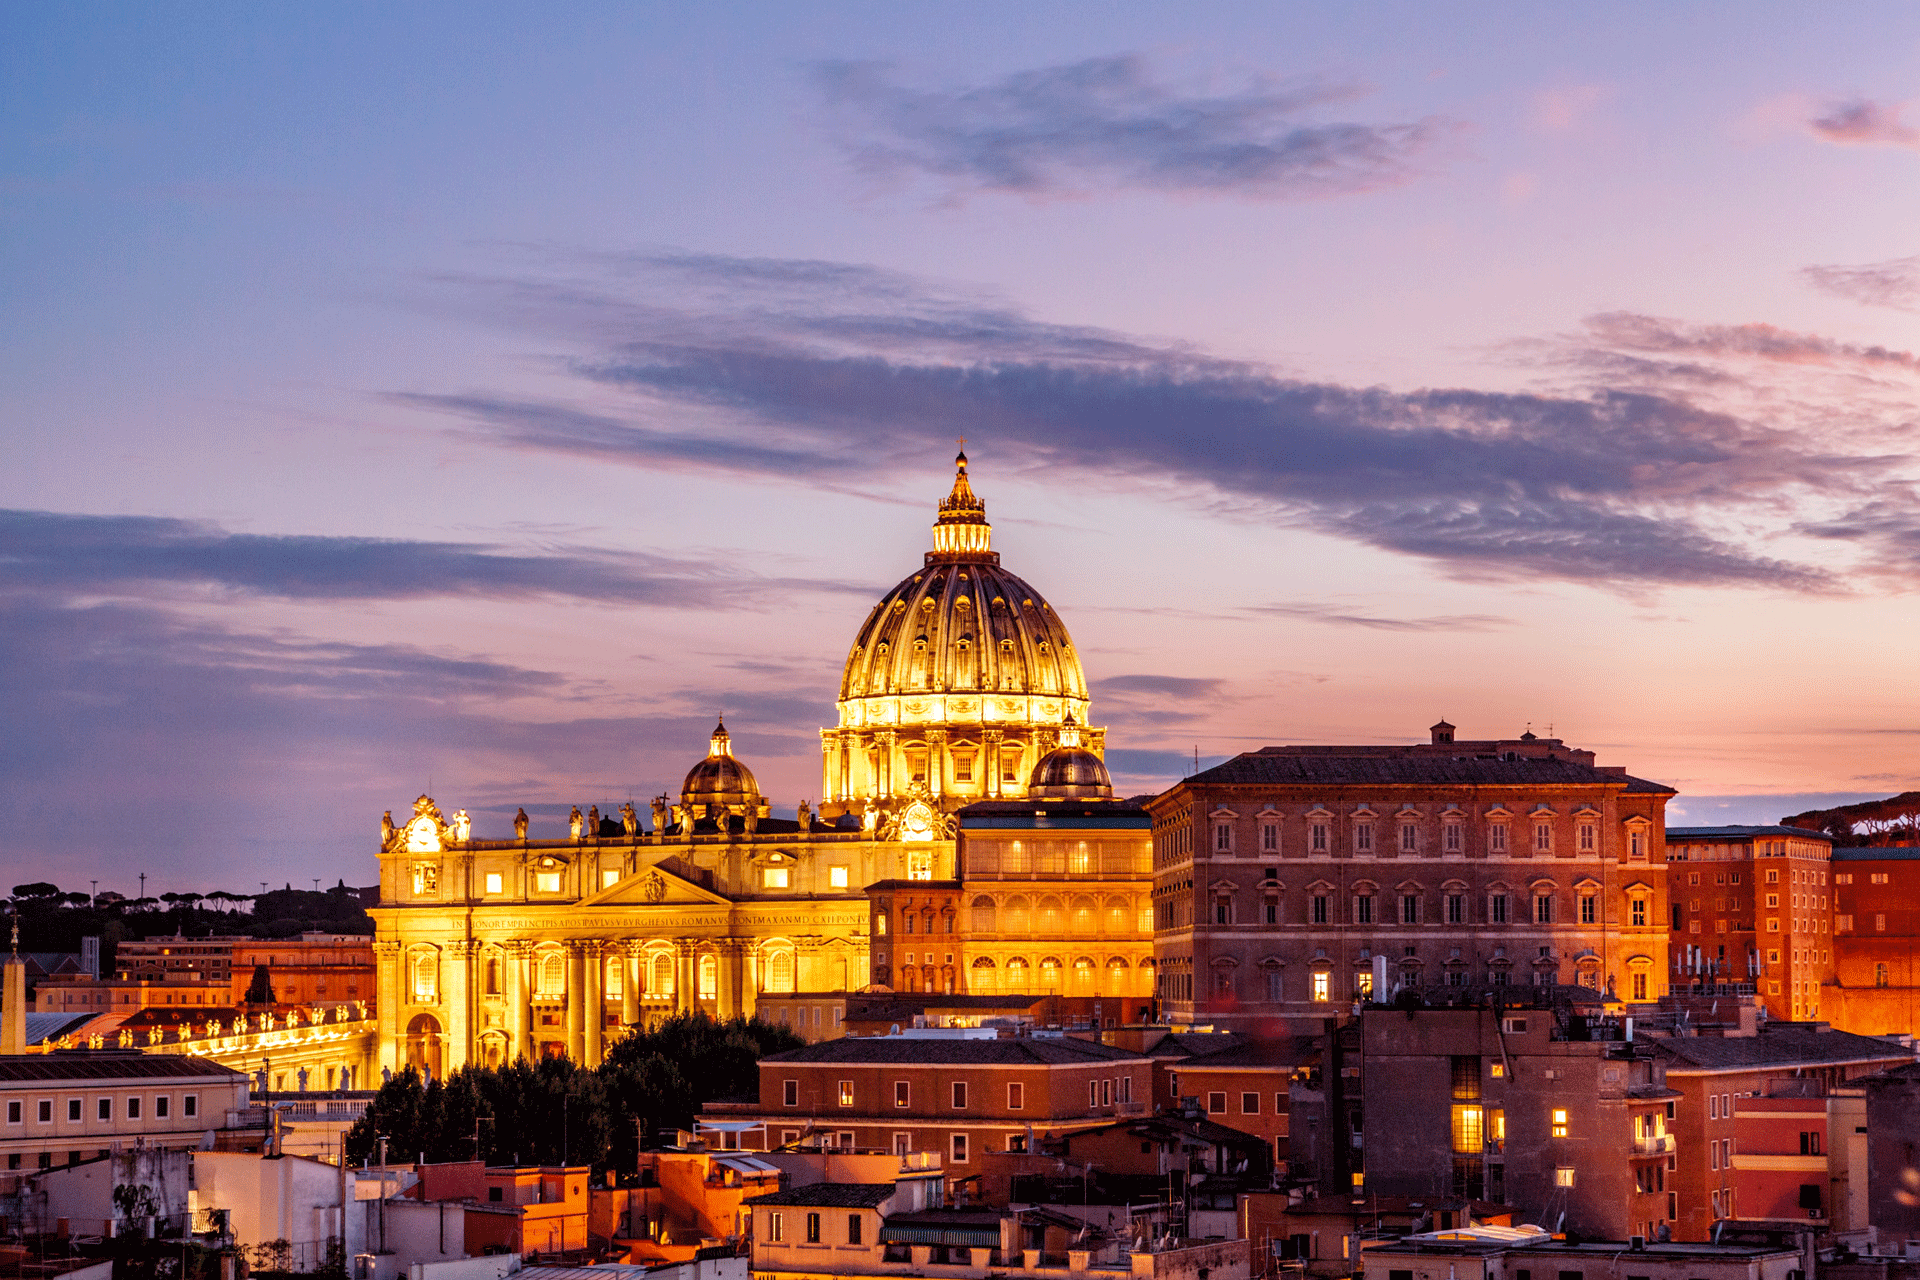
1864,122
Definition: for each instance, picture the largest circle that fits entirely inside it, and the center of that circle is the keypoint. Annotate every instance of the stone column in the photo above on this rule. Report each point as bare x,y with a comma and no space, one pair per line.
885,740
686,976
576,1003
729,956
991,761
829,766
518,993
594,969
386,958
458,998
849,743
937,762
630,987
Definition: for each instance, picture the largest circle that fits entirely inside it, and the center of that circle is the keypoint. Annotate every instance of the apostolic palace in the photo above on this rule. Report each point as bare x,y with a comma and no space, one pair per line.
967,840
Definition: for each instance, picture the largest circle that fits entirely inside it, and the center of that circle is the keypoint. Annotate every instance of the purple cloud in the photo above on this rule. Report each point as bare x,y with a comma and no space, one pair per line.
1894,283
1864,122
1107,124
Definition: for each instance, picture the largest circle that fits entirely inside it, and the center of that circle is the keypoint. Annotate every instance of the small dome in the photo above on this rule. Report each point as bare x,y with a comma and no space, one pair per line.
720,779
1070,771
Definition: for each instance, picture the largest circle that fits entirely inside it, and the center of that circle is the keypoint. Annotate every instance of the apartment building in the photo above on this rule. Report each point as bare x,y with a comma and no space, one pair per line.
1714,1073
961,1093
1781,1147
62,1108
1554,1109
1876,937
1752,914
1245,1086
1282,874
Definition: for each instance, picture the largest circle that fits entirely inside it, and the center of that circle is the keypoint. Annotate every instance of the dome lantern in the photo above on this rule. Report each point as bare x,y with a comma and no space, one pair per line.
961,531
721,780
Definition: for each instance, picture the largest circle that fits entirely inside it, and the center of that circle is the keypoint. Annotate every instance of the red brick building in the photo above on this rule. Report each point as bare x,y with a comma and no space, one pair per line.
1714,1073
962,1097
1753,914
1281,875
1876,928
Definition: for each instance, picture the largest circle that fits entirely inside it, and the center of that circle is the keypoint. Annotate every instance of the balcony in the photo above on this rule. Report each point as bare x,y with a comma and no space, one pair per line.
1660,1146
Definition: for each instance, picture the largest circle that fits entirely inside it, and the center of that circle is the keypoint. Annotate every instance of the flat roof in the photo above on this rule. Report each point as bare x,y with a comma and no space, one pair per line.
1704,834
103,1065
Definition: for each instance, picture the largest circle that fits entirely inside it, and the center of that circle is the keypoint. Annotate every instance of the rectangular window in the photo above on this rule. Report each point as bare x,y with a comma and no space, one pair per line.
902,1094
1456,908
813,1228
773,877
547,881
1497,837
959,1148
959,1095
1270,837
775,1228
1589,908
1318,839
1363,837
837,879
1319,908
1363,909
1560,1131
1322,986
1637,912
1126,1089
46,1111
902,1143
1222,837
16,1111
1217,1104
1639,986
1451,837
133,1108
1497,908
790,1093
1586,837
1274,992
1249,1104
1563,1177
1093,1093
494,882
1410,908
846,1093
1223,911
1409,837
1016,1095
853,1227
1542,837
160,1107
1273,911
73,1110
1543,909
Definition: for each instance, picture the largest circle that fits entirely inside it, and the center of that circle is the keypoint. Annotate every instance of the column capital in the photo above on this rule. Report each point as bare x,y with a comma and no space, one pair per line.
387,947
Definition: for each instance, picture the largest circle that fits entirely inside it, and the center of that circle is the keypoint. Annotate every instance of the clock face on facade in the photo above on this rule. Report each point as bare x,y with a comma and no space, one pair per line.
916,822
423,835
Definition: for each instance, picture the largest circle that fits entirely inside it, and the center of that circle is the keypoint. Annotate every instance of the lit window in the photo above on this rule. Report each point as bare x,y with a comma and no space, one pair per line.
547,881
1560,1131
1322,984
1563,1176
1637,908
846,1094
837,877
773,877
493,882
609,877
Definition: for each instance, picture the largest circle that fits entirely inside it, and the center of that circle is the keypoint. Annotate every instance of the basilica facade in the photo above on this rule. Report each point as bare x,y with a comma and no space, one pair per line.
962,686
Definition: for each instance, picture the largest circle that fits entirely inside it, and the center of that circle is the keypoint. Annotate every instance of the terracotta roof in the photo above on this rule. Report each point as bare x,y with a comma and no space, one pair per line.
1016,1051
107,1064
831,1195
1781,1048
1259,768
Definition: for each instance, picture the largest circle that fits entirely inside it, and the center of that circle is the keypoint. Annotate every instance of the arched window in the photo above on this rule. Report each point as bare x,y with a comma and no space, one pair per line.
709,978
493,975
1083,971
1049,921
981,980
780,971
553,975
662,975
983,915
1019,976
426,978
1117,972
1118,920
1084,919
1019,919
616,984
1050,973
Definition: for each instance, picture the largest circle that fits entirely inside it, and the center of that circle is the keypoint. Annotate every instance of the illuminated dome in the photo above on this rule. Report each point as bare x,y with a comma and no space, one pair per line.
958,681
1070,771
720,779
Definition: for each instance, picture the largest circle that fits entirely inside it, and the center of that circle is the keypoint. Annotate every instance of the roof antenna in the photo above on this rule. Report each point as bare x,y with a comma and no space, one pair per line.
1196,758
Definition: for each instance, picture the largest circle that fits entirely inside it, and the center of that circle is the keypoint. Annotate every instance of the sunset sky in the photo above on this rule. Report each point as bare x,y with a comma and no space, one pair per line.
479,399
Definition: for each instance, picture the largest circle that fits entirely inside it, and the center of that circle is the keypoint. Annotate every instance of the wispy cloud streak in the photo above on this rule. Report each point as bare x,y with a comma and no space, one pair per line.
1107,124
1894,283
1864,122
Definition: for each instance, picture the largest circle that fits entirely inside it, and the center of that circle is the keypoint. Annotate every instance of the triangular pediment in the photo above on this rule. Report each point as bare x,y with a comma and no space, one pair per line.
656,885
